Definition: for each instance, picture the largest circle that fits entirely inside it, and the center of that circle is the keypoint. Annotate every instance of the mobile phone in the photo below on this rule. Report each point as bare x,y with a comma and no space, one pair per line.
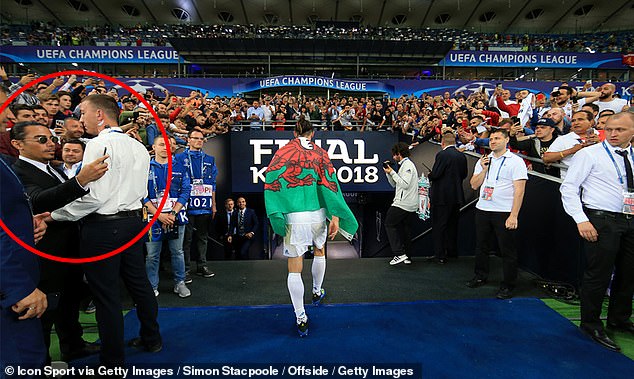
386,164
105,150
498,85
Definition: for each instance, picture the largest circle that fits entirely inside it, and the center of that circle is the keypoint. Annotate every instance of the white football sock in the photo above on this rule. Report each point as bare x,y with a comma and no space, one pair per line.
296,290
318,270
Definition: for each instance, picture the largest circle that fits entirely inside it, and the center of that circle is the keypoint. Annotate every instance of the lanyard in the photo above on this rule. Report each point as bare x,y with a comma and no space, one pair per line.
154,183
499,169
618,171
191,163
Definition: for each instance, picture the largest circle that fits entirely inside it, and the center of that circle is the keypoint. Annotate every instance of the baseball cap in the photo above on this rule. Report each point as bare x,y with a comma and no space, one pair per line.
546,122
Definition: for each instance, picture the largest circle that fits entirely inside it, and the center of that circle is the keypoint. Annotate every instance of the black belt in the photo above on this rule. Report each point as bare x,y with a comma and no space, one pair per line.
117,216
599,213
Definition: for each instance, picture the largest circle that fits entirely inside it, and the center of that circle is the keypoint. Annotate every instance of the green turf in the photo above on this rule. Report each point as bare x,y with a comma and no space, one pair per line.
571,312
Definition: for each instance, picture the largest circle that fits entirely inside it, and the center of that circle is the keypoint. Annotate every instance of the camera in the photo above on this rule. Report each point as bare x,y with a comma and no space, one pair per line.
387,164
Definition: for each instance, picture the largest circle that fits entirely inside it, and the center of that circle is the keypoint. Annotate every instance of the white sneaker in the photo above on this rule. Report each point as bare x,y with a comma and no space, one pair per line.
407,261
156,292
398,259
181,289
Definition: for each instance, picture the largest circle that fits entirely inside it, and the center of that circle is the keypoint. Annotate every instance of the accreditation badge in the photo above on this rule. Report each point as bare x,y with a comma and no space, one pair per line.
628,203
487,193
169,203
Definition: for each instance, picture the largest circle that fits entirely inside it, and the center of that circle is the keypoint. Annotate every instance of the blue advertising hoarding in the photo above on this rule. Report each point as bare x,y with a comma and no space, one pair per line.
314,81
89,54
356,156
225,86
530,59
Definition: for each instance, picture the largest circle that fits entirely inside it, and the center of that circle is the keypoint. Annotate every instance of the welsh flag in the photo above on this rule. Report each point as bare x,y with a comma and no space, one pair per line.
301,178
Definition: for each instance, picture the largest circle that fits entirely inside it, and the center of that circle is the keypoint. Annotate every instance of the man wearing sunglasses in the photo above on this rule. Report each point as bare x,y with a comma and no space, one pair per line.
49,189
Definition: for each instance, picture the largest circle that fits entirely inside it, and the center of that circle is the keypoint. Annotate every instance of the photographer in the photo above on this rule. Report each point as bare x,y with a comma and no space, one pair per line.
405,202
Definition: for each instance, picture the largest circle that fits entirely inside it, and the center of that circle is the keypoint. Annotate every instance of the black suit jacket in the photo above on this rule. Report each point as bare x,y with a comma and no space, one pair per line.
250,221
48,194
450,169
225,228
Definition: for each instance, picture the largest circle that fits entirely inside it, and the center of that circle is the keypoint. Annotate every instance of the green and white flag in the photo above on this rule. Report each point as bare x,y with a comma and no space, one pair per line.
301,178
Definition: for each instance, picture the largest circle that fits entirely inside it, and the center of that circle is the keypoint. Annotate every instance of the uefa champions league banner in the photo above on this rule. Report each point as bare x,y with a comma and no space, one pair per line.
356,156
530,59
89,54
225,87
313,81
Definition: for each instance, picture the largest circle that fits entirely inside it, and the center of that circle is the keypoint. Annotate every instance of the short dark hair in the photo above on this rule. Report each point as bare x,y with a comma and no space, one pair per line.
76,142
63,93
18,131
589,115
606,112
189,134
303,127
106,103
504,132
16,108
401,149
593,106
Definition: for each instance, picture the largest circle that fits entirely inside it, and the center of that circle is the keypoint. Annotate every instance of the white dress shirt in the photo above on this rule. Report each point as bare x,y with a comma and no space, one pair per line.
510,168
72,171
122,187
593,171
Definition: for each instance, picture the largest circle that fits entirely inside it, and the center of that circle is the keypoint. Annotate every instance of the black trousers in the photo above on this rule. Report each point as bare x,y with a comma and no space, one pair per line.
99,237
243,245
196,237
612,252
444,222
228,247
65,280
488,225
397,222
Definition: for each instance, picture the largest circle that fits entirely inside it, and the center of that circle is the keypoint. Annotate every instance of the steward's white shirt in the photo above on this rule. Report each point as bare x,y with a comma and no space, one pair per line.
511,168
562,143
593,171
122,187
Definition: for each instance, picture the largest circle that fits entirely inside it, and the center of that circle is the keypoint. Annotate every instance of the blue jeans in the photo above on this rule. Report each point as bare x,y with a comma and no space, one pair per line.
153,258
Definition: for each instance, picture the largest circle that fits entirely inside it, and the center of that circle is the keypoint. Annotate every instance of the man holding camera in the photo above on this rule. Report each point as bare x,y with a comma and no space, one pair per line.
405,202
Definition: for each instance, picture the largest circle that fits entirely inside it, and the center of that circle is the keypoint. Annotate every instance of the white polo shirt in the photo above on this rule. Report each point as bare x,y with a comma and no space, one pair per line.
502,172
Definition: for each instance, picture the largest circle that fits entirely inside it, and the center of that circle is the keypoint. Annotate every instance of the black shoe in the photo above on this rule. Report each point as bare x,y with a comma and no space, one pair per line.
504,293
302,328
440,261
599,336
476,282
150,348
204,272
86,350
626,327
188,278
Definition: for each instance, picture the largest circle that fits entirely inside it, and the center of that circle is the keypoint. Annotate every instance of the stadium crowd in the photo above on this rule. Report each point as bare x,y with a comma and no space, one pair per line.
49,34
470,115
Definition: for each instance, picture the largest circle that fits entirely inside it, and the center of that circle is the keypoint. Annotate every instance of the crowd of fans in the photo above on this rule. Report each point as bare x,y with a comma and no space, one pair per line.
471,116
47,34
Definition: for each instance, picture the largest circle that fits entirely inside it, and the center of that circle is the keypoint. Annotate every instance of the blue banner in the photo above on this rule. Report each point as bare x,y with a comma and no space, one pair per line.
89,54
357,157
529,59
313,81
226,86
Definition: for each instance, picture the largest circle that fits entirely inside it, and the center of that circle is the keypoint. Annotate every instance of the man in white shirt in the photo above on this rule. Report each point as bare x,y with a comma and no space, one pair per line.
501,177
582,134
604,98
72,155
112,217
605,219
405,204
